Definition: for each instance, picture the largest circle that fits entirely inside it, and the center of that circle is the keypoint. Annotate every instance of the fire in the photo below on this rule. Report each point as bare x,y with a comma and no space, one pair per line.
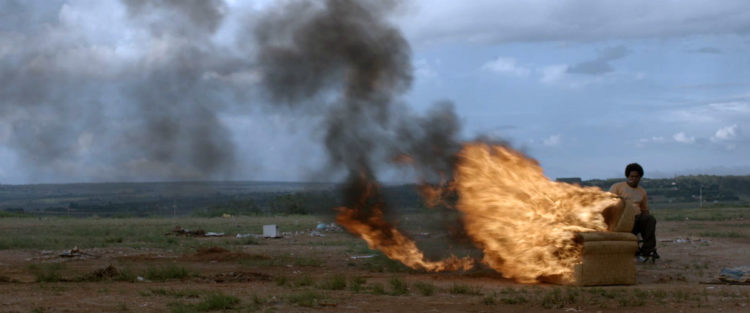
366,219
524,223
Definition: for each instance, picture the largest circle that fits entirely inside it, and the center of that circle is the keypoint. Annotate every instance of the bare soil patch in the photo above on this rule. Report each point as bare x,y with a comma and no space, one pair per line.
338,273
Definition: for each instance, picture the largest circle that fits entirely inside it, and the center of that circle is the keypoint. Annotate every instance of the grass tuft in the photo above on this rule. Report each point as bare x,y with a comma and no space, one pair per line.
47,272
461,289
425,289
334,282
398,286
306,299
356,284
218,301
166,272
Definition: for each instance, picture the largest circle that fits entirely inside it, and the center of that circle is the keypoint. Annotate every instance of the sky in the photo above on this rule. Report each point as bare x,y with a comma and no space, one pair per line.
155,90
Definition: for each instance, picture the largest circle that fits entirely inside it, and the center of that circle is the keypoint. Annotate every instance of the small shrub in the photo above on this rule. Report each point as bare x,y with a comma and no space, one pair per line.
306,299
512,296
217,301
334,282
553,299
281,280
425,289
356,283
304,281
461,289
166,272
378,289
46,272
398,286
489,300
180,307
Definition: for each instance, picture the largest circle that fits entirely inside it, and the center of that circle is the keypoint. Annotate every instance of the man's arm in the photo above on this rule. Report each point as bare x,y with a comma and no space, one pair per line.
644,204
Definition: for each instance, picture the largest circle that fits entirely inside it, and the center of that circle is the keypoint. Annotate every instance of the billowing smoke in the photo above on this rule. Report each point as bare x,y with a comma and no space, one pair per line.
114,112
342,59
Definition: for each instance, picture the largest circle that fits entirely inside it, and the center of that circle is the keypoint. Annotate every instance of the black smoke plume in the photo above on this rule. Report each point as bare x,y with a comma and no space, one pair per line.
342,59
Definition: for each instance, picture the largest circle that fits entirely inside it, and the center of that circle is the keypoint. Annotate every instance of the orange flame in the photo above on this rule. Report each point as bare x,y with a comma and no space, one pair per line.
367,221
524,223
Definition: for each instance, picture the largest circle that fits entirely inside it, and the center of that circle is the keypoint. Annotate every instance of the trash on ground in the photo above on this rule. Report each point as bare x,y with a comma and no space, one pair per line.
179,231
362,256
75,252
214,234
271,231
247,235
316,233
686,240
331,227
735,275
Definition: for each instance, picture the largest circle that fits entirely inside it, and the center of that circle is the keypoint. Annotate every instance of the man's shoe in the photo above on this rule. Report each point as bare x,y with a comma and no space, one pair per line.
654,254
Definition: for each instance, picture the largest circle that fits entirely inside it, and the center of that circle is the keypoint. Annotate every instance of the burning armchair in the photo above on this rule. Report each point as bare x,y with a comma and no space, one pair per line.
607,257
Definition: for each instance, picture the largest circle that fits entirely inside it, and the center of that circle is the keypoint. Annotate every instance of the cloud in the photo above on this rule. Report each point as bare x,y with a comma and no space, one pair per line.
716,113
497,21
552,141
708,50
507,66
682,138
652,139
600,65
553,73
725,133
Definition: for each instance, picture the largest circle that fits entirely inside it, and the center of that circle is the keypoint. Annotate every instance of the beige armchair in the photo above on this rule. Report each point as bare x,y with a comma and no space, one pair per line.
607,257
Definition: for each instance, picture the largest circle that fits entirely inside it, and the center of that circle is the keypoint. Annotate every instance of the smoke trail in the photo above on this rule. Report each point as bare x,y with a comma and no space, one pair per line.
342,59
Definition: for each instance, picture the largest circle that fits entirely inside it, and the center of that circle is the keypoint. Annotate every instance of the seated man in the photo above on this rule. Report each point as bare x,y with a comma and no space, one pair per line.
636,199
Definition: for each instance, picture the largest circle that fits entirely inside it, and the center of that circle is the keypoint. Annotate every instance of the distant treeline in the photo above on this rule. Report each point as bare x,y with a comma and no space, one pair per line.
180,199
263,198
686,189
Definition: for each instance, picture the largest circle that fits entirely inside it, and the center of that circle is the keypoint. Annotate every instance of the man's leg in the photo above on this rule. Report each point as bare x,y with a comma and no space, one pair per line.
637,229
647,227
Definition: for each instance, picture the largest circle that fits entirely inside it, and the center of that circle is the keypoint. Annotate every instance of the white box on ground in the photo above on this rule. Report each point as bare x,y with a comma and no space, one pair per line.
270,231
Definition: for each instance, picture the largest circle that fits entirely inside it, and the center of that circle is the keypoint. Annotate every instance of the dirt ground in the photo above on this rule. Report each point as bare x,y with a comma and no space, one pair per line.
332,273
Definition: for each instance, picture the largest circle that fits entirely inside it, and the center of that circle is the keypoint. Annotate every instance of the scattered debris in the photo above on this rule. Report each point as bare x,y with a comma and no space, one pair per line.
109,272
247,235
362,256
232,277
219,254
271,231
687,240
736,275
315,233
332,227
179,231
72,253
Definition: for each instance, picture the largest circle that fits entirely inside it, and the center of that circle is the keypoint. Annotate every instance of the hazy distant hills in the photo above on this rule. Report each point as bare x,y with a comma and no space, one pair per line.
216,198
